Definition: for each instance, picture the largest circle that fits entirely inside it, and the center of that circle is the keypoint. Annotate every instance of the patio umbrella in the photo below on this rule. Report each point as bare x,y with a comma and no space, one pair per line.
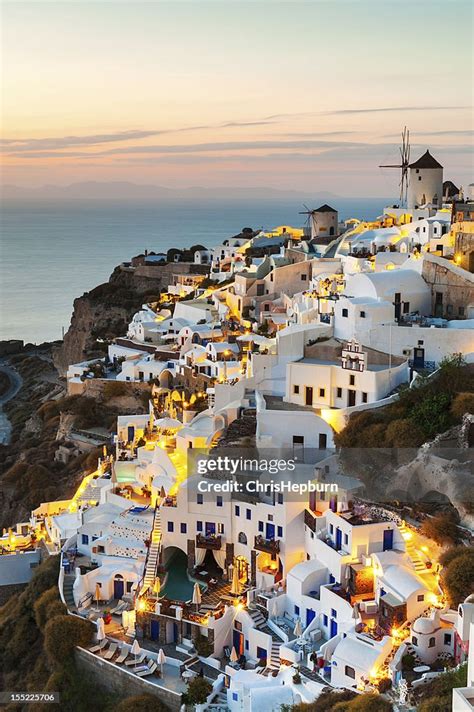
97,595
235,588
100,629
196,594
233,656
157,586
135,650
161,659
113,476
297,630
355,612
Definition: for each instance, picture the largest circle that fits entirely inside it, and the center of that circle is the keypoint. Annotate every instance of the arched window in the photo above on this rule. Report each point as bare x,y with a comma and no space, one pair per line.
432,643
414,640
242,538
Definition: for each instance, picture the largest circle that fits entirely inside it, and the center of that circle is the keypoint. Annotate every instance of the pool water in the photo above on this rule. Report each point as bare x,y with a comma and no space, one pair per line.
178,585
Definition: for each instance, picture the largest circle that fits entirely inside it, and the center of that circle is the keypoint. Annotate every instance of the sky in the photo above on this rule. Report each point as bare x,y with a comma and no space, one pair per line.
293,95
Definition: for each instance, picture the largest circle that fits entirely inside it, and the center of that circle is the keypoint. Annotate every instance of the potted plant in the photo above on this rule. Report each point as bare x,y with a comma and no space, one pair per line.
107,617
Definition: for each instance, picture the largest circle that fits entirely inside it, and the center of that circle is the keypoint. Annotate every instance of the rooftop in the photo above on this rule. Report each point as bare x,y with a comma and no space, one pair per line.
426,161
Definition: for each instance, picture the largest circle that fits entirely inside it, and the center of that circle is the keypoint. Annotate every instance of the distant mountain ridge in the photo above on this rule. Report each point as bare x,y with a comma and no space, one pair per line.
123,190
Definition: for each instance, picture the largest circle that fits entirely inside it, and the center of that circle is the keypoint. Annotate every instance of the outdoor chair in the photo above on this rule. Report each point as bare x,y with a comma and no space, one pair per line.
111,651
99,646
136,662
150,670
124,653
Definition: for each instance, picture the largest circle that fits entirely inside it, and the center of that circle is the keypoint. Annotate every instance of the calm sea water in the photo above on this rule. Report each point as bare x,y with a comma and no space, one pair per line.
53,252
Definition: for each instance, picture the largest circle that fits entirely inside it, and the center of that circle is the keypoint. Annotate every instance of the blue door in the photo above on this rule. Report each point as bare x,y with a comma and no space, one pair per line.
333,628
210,528
154,629
338,538
261,653
131,433
388,539
118,588
270,531
310,614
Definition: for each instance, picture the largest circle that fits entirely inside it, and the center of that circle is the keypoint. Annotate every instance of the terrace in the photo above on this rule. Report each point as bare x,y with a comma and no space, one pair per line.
269,546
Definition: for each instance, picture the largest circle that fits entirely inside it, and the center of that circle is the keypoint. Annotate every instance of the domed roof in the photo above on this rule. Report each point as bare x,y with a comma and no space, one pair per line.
424,626
470,598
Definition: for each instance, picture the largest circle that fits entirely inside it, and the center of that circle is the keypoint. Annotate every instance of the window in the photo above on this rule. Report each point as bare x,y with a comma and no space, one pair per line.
184,528
298,439
199,526
296,390
432,643
280,498
414,640
447,638
220,528
346,539
364,397
322,392
237,510
199,498
325,620
406,307
85,539
333,613
297,610
248,514
242,538
352,380
331,529
421,597
171,526
461,311
339,393
219,500
345,312
419,178
235,696
280,532
349,672
303,277
260,526
270,517
362,314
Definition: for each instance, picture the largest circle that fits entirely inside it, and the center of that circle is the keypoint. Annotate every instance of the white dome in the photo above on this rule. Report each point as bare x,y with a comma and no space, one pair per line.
425,626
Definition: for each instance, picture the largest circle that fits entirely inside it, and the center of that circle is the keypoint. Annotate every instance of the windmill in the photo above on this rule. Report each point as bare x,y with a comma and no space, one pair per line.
309,225
403,165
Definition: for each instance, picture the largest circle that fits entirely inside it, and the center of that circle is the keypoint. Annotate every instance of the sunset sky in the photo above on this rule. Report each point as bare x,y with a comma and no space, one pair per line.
295,95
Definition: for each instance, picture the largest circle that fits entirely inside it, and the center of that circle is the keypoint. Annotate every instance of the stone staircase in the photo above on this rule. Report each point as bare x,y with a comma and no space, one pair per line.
261,623
219,702
68,585
257,617
274,663
90,494
418,564
153,552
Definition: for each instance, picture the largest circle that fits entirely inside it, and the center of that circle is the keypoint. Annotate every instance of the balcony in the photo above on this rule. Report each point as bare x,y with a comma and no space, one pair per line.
310,519
212,541
269,546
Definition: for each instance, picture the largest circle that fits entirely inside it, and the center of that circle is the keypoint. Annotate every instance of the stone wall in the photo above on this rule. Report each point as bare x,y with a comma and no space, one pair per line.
120,681
455,284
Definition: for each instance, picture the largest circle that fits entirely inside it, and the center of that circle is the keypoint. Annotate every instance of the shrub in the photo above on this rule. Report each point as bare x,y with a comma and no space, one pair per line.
408,661
203,646
384,684
442,529
198,691
447,556
458,577
48,606
462,403
141,703
62,634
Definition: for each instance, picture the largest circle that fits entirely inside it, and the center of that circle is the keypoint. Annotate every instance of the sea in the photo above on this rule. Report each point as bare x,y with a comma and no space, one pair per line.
54,251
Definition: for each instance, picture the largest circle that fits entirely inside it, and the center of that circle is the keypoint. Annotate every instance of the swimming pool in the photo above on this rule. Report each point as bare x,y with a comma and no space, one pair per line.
178,586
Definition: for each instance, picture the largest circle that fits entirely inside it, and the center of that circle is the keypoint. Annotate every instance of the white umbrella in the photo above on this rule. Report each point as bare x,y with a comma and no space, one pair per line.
233,656
298,629
135,650
235,588
100,629
97,594
196,594
355,612
161,659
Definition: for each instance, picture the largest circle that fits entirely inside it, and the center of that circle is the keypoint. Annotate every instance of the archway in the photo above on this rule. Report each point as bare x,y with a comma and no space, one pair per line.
243,568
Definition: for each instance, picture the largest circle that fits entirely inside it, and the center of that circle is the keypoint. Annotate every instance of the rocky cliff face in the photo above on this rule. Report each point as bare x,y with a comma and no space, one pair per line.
103,313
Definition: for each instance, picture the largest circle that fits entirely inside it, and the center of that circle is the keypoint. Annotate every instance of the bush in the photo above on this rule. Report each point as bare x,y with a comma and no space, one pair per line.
384,684
203,646
447,556
442,529
408,661
458,577
141,703
62,634
198,691
48,606
462,403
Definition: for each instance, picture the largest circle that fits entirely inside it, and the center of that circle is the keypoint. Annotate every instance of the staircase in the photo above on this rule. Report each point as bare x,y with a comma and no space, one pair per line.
153,555
418,564
257,617
275,656
219,702
90,494
68,585
261,623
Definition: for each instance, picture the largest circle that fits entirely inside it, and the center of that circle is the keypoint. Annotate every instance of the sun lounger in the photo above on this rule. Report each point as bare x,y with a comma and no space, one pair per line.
136,662
151,669
111,651
99,646
121,605
124,653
